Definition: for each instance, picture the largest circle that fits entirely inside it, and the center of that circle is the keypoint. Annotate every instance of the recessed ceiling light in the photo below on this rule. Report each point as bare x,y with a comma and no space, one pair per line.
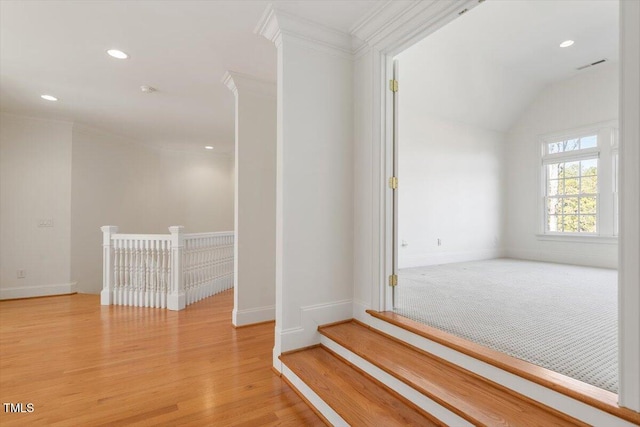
208,147
49,97
566,43
117,54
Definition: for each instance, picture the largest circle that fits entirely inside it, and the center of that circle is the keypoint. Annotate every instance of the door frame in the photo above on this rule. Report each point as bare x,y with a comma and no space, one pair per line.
426,21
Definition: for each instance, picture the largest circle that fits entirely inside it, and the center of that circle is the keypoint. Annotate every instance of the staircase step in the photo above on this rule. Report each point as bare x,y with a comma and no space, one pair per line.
358,399
464,393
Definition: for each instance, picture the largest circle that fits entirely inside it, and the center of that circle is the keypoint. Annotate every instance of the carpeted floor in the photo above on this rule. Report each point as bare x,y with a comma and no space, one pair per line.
561,317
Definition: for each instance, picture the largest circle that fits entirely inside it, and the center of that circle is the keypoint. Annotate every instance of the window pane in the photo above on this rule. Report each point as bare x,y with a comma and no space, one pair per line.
589,167
589,185
554,223
588,223
570,223
571,186
554,206
571,169
589,142
571,144
552,171
587,205
555,187
570,205
553,148
561,167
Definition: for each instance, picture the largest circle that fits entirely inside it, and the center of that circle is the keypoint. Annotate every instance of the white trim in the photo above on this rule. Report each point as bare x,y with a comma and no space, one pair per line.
581,131
417,398
253,315
274,23
573,257
544,395
629,277
311,317
578,238
234,81
436,258
315,400
605,133
38,291
394,26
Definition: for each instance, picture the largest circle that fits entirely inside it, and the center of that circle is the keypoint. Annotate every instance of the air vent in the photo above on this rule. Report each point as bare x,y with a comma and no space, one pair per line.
592,64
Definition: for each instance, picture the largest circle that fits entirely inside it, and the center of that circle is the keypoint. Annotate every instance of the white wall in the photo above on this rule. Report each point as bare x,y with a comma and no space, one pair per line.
255,199
141,189
35,184
451,188
314,179
590,97
81,179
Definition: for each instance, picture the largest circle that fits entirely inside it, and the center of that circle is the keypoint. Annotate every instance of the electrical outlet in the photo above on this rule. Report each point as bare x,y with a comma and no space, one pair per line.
22,274
45,223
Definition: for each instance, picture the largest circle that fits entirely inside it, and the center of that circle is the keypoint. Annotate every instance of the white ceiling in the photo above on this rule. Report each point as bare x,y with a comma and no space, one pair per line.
182,48
487,66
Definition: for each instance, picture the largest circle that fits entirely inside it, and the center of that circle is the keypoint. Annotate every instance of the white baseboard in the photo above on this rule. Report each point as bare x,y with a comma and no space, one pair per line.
311,317
436,258
38,291
563,257
253,315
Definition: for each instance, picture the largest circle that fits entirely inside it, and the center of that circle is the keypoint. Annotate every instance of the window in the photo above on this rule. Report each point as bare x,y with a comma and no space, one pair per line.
579,183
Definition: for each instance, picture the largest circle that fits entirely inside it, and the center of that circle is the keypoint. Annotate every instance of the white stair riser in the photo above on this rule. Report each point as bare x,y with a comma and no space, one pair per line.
537,392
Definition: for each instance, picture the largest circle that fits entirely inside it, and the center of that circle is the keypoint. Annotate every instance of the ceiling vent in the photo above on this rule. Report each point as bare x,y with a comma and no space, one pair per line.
602,61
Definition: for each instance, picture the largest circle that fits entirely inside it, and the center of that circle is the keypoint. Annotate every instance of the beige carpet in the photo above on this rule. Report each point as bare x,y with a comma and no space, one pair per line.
558,316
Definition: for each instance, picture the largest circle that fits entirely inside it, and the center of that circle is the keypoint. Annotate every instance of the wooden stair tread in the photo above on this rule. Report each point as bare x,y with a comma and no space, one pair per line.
358,399
476,399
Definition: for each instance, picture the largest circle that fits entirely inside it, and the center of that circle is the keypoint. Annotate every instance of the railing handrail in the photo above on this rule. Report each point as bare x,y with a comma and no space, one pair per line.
124,236
208,234
165,270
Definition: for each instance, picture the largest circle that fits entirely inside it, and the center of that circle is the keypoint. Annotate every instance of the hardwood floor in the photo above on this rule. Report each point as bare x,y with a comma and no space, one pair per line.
82,364
357,398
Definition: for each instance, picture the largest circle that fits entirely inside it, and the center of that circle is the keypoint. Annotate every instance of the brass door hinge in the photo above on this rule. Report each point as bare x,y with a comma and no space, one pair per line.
393,280
393,85
393,183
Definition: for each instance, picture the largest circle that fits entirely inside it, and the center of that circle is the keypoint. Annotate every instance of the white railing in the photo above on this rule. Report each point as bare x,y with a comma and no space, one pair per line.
165,270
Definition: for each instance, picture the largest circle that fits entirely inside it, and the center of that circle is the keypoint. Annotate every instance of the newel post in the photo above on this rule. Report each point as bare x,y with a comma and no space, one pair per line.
106,295
176,299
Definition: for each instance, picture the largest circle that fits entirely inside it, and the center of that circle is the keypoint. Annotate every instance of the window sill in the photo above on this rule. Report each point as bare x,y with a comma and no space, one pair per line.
572,238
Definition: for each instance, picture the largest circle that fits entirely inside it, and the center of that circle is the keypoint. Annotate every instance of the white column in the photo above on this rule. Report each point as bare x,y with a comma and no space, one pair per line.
176,298
255,198
106,295
314,201
629,268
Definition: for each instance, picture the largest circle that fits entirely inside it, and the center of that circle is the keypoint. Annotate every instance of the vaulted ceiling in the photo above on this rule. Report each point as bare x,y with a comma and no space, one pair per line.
487,66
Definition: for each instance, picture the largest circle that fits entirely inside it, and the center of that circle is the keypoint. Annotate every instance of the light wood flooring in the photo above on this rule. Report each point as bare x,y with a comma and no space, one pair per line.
82,364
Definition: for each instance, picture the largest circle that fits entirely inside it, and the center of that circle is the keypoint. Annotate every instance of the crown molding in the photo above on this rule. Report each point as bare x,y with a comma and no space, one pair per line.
243,82
397,24
275,23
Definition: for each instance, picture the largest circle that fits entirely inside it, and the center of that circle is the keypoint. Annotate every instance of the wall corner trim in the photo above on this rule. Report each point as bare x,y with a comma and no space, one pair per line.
274,23
243,82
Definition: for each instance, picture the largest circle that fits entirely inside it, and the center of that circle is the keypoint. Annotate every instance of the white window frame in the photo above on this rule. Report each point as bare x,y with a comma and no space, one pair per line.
606,212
